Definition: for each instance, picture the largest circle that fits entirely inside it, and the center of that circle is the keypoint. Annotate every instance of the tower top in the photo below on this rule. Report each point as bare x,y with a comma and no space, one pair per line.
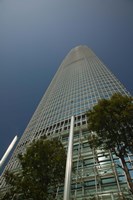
78,53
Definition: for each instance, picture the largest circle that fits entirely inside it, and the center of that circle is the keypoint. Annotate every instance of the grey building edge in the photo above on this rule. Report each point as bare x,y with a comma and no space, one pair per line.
81,80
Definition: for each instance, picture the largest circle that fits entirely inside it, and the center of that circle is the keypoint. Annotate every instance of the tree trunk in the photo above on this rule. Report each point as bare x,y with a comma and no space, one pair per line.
127,173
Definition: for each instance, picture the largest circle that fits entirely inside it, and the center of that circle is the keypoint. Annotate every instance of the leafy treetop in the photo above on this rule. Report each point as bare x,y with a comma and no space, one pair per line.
43,169
112,121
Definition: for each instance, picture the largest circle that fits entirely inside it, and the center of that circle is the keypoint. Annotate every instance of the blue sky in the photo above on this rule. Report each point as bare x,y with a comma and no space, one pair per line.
36,35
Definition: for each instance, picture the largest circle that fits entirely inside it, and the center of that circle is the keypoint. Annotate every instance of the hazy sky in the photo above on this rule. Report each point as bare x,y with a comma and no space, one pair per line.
36,35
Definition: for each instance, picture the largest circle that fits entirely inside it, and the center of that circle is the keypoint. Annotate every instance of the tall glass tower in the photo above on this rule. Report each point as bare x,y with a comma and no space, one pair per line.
81,80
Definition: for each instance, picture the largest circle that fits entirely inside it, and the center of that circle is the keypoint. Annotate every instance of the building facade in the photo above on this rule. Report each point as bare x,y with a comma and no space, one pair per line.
81,80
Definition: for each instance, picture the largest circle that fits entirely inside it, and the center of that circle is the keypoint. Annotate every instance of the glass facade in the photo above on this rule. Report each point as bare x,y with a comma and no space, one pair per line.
81,80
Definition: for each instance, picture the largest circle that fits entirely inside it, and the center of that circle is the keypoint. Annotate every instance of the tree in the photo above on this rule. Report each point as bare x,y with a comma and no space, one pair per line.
111,125
43,169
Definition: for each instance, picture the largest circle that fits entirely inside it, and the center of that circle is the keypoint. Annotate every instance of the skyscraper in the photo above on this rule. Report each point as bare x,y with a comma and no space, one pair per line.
81,80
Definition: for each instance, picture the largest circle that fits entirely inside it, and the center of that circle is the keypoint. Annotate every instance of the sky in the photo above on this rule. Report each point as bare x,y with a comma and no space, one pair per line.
36,35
